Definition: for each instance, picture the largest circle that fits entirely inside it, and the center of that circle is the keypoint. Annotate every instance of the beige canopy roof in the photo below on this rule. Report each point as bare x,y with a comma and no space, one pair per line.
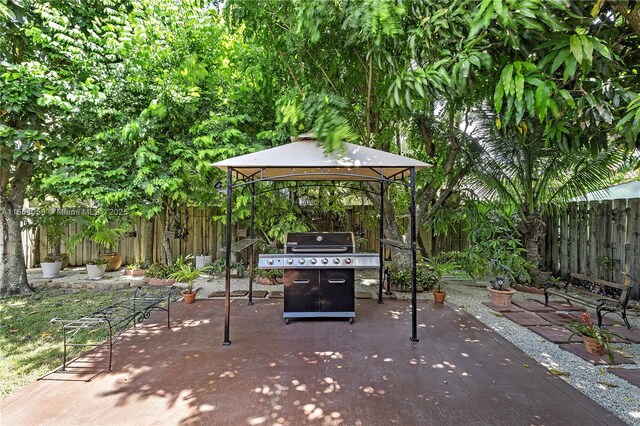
304,159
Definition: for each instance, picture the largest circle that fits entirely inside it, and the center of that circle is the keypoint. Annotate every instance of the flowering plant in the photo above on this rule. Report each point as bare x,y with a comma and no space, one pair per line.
587,328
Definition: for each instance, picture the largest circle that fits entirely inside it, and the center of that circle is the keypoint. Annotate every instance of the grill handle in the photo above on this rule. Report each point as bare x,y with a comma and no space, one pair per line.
301,281
319,250
337,281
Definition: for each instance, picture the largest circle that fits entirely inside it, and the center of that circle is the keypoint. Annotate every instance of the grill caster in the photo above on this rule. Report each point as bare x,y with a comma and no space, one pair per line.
286,321
351,320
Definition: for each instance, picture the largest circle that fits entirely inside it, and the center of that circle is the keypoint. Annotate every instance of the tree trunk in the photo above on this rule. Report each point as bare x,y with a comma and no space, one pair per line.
148,247
532,229
166,243
13,271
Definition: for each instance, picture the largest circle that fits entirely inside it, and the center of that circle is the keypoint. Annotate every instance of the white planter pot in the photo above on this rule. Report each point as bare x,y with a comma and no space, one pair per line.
202,261
51,269
96,272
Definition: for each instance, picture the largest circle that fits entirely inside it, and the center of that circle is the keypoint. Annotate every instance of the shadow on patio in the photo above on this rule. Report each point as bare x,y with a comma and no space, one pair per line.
324,372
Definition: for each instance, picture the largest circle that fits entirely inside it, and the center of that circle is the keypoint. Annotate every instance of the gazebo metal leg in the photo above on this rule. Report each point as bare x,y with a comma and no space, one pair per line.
381,284
227,283
253,212
414,324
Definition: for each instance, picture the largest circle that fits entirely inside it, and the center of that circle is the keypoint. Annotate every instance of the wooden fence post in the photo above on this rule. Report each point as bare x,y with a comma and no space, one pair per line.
583,218
619,248
564,242
633,241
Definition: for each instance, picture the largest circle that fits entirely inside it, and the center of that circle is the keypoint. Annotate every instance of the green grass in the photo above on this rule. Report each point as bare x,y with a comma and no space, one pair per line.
30,346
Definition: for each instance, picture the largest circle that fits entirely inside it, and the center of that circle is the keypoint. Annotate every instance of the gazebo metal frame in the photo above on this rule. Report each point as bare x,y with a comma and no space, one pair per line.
357,163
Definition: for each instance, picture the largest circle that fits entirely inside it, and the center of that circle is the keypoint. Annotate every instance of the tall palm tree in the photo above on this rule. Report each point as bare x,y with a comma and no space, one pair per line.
517,168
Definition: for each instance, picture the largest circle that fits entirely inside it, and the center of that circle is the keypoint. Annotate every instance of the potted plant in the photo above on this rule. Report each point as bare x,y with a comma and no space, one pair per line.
134,269
100,232
263,276
96,268
160,274
441,264
499,293
186,273
51,266
237,269
595,339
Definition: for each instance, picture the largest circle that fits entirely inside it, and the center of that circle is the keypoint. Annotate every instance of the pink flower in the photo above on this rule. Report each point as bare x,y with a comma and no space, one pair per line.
587,319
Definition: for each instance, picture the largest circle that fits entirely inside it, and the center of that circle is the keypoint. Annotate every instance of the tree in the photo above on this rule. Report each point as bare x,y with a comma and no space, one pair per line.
520,172
407,77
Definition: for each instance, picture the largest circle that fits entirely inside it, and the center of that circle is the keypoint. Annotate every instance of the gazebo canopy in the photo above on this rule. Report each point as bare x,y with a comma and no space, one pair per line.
304,159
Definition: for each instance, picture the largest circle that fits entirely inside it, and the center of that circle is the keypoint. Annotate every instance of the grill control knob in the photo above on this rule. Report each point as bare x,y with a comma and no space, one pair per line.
301,261
325,261
290,261
336,260
347,260
313,261
270,261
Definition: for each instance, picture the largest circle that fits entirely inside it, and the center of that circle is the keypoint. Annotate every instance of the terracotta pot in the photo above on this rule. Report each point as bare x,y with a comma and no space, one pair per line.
439,296
114,261
501,297
189,298
593,346
264,281
161,281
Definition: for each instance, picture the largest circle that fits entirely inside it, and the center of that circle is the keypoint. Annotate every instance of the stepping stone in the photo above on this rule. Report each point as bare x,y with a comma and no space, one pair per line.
498,308
564,306
579,350
276,295
553,333
560,318
363,295
235,293
630,375
632,335
525,318
259,294
533,306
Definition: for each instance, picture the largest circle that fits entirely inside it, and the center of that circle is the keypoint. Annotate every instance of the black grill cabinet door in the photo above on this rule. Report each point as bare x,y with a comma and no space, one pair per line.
301,290
337,290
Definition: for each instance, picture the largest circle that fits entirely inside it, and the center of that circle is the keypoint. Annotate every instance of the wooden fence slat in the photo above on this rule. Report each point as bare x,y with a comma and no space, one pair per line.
573,238
633,240
583,217
564,242
619,228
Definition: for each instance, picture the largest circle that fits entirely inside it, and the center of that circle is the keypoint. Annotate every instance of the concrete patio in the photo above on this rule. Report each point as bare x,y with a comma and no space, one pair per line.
315,372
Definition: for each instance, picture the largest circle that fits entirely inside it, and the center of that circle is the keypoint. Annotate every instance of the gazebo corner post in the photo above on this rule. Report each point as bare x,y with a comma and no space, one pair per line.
381,250
414,297
251,235
227,282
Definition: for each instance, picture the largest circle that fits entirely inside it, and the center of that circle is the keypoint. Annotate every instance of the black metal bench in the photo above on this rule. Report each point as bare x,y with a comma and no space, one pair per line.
604,296
116,317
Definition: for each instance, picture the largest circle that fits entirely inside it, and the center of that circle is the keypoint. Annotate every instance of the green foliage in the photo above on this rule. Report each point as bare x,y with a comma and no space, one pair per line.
97,261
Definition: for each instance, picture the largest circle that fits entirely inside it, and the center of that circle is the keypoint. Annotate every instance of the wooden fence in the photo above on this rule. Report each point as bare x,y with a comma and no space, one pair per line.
598,238
206,236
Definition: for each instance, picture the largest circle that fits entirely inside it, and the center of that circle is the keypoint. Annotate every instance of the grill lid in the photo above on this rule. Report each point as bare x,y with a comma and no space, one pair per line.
320,242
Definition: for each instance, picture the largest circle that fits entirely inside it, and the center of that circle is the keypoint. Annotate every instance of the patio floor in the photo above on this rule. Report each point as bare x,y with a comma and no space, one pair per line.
317,372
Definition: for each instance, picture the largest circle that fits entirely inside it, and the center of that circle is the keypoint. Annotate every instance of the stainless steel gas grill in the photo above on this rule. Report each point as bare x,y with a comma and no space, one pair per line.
319,274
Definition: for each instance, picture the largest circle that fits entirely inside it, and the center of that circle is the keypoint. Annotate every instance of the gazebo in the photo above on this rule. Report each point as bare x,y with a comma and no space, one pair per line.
304,160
